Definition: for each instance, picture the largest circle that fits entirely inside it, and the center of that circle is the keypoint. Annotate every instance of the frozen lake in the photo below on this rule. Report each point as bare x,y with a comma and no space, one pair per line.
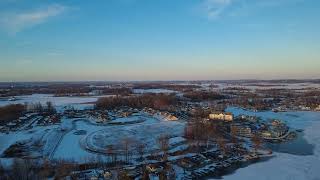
286,166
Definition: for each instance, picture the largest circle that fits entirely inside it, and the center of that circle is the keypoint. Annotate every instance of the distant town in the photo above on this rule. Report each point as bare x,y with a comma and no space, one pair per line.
147,130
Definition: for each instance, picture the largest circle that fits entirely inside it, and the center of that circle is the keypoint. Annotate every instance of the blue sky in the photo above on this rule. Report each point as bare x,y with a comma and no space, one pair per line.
46,40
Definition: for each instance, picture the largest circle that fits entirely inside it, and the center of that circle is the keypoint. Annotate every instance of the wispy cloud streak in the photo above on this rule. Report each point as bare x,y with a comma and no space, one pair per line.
215,8
14,22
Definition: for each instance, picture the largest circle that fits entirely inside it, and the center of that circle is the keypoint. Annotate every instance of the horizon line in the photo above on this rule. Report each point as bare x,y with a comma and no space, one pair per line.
133,81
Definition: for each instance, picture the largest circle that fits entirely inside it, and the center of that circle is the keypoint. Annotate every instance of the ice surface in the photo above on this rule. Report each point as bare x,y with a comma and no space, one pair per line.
286,166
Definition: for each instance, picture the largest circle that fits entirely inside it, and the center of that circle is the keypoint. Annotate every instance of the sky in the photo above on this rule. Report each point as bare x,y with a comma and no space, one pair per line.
124,40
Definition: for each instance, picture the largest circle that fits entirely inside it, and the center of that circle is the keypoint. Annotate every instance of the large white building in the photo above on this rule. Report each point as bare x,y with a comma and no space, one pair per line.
225,116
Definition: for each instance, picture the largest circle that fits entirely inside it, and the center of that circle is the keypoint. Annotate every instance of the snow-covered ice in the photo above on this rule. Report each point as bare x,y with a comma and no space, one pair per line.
287,166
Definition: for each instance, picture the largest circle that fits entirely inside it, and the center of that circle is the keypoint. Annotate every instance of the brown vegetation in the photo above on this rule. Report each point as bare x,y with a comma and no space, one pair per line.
156,101
11,112
203,95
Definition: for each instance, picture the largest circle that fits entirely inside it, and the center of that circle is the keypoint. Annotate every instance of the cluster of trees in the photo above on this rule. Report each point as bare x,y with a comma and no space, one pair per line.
257,103
235,89
309,99
117,91
203,95
14,111
129,146
201,113
60,89
43,88
156,101
48,108
276,93
14,92
175,87
201,133
25,169
11,112
312,102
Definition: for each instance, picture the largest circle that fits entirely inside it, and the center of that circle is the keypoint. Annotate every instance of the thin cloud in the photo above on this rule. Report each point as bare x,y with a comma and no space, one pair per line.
215,8
14,22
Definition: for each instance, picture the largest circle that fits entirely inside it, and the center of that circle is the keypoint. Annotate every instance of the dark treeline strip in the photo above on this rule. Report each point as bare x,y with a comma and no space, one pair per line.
156,101
116,91
63,90
11,112
203,96
175,87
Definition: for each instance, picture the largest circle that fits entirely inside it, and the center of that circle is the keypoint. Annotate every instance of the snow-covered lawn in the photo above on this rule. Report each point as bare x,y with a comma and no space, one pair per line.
146,132
69,148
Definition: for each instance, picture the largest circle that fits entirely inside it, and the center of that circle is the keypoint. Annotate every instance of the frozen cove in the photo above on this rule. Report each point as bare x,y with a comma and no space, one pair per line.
286,166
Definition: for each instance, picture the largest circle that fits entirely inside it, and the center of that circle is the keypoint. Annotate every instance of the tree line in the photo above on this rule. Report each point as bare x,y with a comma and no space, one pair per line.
12,112
155,101
198,96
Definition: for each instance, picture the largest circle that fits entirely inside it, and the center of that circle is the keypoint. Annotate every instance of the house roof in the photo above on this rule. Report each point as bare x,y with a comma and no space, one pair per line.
226,113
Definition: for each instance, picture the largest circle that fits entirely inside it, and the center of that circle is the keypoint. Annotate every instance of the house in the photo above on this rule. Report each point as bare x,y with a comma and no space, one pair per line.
125,114
244,131
171,118
12,125
95,93
152,168
225,116
266,134
107,175
276,122
247,118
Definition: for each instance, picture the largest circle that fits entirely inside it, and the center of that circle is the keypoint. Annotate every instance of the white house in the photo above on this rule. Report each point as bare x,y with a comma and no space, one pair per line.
225,116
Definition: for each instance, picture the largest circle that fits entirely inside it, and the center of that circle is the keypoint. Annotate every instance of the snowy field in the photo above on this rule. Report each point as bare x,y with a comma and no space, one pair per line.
69,148
142,91
264,85
287,166
63,141
59,102
146,132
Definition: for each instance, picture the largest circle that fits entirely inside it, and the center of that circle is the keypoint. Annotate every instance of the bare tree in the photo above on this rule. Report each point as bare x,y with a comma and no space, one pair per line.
111,153
222,145
23,169
46,169
256,140
1,170
163,142
145,173
63,169
123,175
126,145
50,108
141,150
233,132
